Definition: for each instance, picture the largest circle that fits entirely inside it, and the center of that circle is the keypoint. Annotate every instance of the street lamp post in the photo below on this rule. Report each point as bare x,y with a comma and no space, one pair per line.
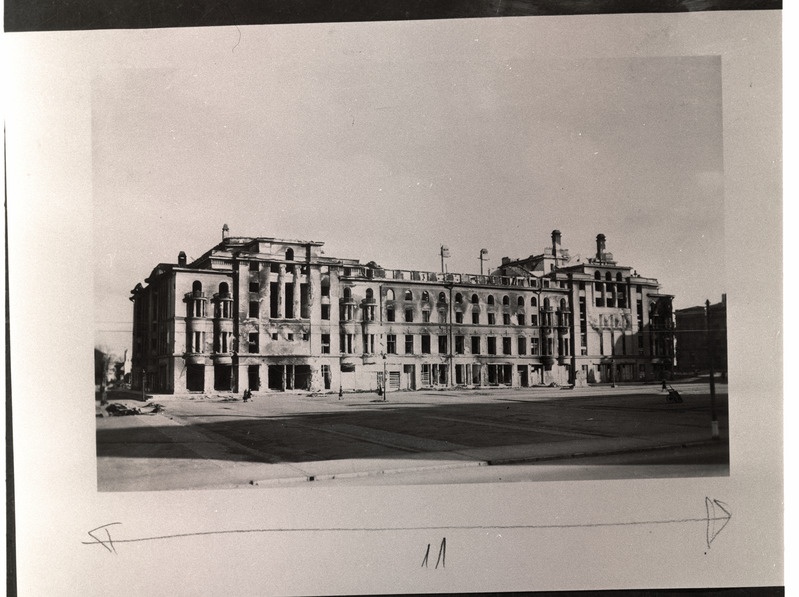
714,422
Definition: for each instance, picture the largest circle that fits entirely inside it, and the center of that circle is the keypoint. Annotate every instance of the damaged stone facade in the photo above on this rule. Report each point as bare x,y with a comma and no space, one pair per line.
278,315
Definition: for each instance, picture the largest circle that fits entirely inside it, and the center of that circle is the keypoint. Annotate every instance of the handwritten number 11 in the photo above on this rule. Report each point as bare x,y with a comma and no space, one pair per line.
442,555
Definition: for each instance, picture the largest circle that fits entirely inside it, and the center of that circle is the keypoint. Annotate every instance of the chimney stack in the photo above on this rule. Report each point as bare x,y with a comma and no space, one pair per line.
182,258
555,242
225,232
600,247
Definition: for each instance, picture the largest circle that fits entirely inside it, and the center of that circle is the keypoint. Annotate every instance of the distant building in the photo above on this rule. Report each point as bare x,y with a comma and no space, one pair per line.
270,314
700,331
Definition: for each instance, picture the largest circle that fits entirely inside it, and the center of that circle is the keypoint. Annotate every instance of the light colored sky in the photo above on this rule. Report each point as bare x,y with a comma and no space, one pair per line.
386,151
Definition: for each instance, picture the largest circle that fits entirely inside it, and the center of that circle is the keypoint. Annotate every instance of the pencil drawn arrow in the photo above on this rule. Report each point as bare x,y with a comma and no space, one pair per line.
716,523
717,517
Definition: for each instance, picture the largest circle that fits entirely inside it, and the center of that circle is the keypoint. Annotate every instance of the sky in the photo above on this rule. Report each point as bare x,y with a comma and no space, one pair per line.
386,149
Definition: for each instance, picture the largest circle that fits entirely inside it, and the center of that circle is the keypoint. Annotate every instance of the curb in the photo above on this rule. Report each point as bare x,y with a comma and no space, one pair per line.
475,463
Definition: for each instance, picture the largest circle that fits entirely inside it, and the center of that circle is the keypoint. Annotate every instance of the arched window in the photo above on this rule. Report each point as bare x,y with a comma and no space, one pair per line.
408,295
347,293
506,300
562,304
224,288
608,277
442,298
459,298
490,300
370,294
389,295
197,286
289,254
618,277
546,303
520,301
475,299
425,295
533,302
597,276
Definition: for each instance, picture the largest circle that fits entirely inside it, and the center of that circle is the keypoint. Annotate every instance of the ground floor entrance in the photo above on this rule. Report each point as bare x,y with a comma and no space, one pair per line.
289,377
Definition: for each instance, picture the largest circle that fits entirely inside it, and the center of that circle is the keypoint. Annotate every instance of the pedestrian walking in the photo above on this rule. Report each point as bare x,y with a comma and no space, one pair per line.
246,395
664,388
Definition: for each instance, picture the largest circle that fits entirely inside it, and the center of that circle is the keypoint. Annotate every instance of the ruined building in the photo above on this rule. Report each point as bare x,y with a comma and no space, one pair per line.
276,315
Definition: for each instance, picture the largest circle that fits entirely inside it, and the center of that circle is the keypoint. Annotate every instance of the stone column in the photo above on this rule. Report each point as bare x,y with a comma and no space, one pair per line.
281,288
296,294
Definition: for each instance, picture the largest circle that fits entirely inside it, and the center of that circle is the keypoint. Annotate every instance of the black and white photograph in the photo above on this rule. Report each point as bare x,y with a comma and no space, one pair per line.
465,331
399,304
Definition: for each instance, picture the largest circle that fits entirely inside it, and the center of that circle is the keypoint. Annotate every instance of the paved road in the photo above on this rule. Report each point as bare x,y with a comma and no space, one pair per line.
290,438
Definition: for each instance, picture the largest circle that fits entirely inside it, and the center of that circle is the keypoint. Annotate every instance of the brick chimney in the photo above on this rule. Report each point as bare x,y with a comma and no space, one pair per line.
600,247
555,242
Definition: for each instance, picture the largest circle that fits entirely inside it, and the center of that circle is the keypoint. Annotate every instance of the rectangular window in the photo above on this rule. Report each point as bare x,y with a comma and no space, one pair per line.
274,298
442,316
426,344
492,318
522,345
346,343
368,343
600,302
254,307
459,344
253,266
442,345
391,344
325,343
533,346
533,319
475,344
506,345
305,311
325,311
274,268
369,313
325,289
290,337
274,336
475,317
459,374
252,341
506,319
306,336
390,314
408,343
255,286
426,316
289,300
492,345
520,318
458,317
409,315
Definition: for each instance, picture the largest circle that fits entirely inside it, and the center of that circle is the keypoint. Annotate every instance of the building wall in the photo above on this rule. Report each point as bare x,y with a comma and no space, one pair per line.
277,315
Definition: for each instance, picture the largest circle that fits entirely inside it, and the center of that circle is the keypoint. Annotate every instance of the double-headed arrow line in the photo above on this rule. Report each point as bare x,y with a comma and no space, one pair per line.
716,518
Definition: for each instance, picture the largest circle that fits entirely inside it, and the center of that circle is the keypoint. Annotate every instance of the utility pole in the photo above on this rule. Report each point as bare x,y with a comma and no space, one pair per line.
714,422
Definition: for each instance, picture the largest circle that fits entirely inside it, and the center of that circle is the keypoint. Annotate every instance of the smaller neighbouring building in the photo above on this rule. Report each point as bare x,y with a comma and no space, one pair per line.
700,332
